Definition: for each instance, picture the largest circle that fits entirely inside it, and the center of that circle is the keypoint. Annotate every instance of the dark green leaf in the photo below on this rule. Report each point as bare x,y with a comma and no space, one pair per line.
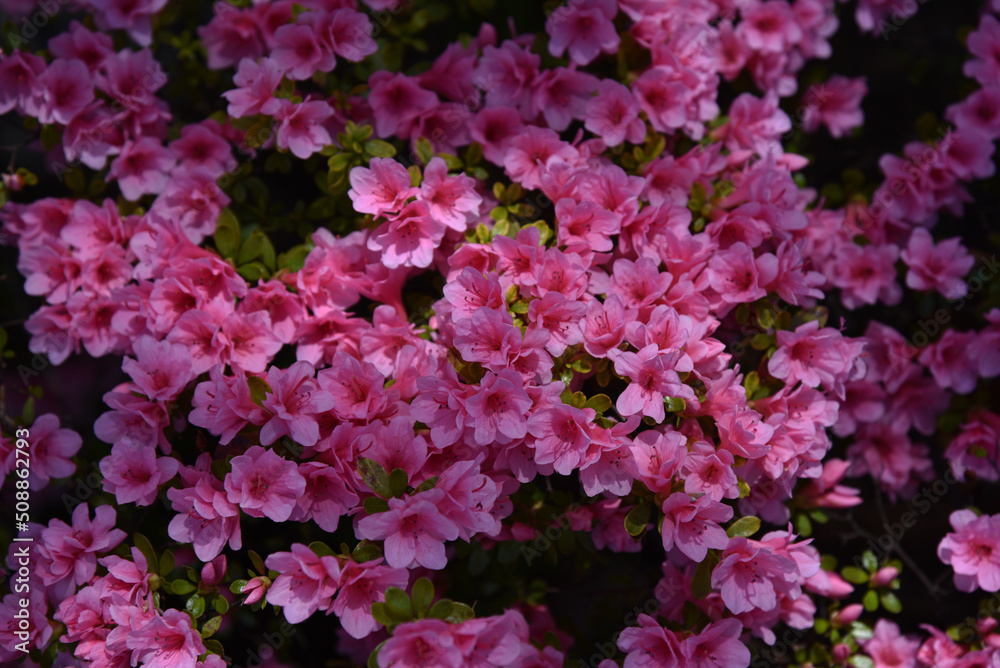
442,609
701,583
257,562
147,550
321,549
638,518
426,485
460,612
253,271
870,600
599,402
166,563
366,551
209,628
398,604
227,234
375,476
891,603
398,482
854,575
425,150
237,586
374,504
195,605
422,595
181,587
220,604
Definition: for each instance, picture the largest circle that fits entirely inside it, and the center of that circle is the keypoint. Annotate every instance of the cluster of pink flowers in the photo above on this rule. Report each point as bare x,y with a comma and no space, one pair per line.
642,279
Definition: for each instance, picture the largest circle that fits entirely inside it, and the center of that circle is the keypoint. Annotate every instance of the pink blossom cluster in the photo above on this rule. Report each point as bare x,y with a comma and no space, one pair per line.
641,278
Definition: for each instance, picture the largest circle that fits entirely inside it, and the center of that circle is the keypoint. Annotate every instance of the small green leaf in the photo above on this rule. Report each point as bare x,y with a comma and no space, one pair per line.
366,551
637,518
375,476
227,234
675,404
422,595
321,549
166,563
181,587
253,271
442,609
257,562
862,661
220,604
380,612
398,482
237,586
379,149
425,150
460,612
258,389
701,583
745,527
398,603
209,628
870,601
426,485
891,603
869,561
147,550
599,402
294,259
215,647
854,575
374,505
251,248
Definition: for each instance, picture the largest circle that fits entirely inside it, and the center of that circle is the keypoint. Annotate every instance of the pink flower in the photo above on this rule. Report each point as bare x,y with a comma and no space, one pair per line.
306,582
984,44
134,17
561,436
297,52
941,267
69,552
658,457
414,531
383,186
294,401
397,100
141,168
738,276
836,104
710,472
889,649
653,376
950,361
421,644
161,369
693,525
357,388
206,519
452,200
977,448
529,152
201,145
718,645
250,341
979,113
751,576
66,90
613,114
810,354
559,318
585,226
973,550
650,645
409,238
165,641
769,27
585,28
561,96
604,325
362,584
263,484
497,410
256,83
301,129
134,473
19,88
50,451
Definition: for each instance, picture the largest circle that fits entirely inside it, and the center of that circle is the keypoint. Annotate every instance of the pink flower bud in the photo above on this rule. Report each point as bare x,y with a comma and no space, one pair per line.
13,182
885,576
255,589
841,653
213,572
849,614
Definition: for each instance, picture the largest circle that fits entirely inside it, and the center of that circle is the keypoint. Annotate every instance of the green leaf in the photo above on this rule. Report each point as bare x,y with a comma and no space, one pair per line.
258,389
166,563
701,583
398,604
209,628
294,258
251,248
398,482
374,505
675,404
453,161
237,586
147,550
321,549
854,575
637,518
379,149
869,561
380,612
375,476
460,612
215,647
745,527
891,603
181,587
227,234
426,485
373,657
253,271
220,604
422,595
862,661
599,402
366,551
425,150
442,609
257,562
870,601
